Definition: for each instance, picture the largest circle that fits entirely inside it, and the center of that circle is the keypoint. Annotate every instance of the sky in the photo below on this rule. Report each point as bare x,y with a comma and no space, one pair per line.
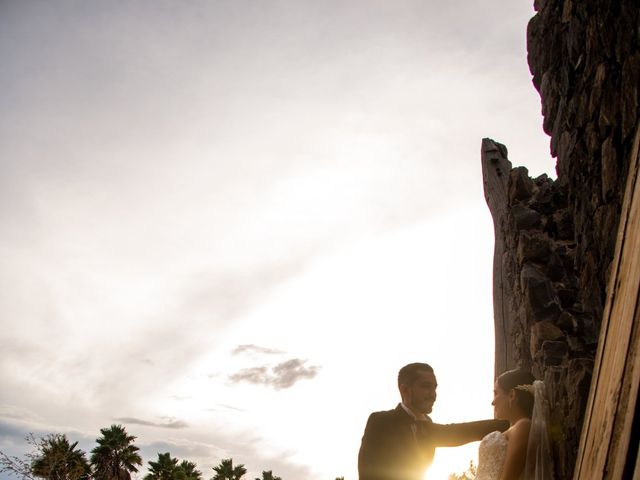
228,223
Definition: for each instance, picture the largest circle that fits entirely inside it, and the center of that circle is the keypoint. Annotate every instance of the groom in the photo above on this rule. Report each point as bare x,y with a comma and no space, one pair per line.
400,444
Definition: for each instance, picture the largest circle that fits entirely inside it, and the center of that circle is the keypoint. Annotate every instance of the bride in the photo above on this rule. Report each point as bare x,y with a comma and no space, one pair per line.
522,452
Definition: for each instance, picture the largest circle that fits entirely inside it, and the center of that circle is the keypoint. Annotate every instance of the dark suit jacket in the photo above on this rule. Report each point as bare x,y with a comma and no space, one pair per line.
391,451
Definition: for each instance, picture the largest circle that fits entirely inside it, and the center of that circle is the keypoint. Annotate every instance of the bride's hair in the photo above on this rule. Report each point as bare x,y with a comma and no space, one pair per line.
511,380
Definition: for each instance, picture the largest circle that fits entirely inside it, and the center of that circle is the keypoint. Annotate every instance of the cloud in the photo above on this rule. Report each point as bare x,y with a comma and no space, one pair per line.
170,423
248,348
14,412
143,222
225,407
181,398
11,433
192,450
37,358
282,375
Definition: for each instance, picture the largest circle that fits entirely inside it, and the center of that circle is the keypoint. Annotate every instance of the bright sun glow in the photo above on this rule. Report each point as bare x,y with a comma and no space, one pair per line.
452,460
227,225
340,329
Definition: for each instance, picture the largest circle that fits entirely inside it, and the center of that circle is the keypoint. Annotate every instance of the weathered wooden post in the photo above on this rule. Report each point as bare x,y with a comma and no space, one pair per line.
495,176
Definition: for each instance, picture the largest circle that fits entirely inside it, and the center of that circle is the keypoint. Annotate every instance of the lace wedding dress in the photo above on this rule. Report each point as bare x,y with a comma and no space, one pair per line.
491,455
539,462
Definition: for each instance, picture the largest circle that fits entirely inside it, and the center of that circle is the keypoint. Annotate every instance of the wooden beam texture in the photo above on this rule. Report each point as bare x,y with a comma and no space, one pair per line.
604,451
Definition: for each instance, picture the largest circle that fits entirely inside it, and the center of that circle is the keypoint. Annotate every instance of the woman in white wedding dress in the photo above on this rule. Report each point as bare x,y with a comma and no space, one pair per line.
522,452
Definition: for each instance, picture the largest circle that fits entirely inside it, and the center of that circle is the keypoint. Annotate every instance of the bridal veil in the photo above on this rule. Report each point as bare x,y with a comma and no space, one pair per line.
539,465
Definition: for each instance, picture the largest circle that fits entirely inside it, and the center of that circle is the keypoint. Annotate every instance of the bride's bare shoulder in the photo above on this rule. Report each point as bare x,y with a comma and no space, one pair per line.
522,424
519,429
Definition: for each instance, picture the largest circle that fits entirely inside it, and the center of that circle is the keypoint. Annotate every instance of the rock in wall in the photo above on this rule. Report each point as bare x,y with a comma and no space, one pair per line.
555,239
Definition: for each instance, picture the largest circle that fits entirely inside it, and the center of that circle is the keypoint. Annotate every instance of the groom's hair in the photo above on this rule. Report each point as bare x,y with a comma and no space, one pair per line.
409,373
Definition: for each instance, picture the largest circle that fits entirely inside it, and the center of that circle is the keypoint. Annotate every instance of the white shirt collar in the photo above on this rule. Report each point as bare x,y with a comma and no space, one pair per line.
423,417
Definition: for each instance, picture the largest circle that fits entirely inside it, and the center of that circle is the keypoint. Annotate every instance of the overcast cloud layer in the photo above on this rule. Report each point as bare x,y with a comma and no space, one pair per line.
199,203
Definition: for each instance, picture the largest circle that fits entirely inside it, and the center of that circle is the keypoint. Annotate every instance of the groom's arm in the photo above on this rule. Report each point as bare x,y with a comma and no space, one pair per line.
454,434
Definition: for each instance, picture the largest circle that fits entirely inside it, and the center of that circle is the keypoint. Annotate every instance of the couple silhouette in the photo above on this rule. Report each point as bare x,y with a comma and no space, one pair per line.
400,444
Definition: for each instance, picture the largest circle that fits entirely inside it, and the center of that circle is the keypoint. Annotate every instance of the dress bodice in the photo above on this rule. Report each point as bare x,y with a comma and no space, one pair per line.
491,456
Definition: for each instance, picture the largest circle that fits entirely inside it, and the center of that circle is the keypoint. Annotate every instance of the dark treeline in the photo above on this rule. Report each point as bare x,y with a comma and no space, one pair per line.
116,457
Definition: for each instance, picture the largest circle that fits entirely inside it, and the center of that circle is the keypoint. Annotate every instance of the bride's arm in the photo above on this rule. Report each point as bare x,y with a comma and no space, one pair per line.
516,450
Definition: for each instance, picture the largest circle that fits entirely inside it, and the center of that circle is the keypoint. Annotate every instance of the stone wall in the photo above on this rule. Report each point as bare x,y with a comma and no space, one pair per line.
585,62
555,239
539,321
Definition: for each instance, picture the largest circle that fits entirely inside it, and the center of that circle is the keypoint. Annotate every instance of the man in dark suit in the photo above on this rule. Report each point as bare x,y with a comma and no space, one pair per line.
400,444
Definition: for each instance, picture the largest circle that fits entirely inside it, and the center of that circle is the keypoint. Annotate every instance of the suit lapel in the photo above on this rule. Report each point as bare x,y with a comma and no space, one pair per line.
408,429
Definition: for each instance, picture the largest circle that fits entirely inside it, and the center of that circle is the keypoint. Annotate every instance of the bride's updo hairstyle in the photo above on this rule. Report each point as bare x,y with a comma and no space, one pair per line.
515,380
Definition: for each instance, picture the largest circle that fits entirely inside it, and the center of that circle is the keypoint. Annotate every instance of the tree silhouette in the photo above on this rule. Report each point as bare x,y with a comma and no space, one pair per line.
166,468
226,470
469,474
188,471
115,457
57,459
19,466
268,475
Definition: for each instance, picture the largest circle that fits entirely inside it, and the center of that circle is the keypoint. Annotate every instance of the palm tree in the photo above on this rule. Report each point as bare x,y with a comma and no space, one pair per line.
226,471
268,475
166,468
188,471
115,457
57,459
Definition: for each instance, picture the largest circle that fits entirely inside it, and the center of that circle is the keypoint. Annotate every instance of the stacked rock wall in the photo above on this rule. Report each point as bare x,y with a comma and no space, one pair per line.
540,324
585,61
555,239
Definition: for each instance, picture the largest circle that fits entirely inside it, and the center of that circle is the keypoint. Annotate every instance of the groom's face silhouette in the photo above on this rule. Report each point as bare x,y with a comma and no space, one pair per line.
420,395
